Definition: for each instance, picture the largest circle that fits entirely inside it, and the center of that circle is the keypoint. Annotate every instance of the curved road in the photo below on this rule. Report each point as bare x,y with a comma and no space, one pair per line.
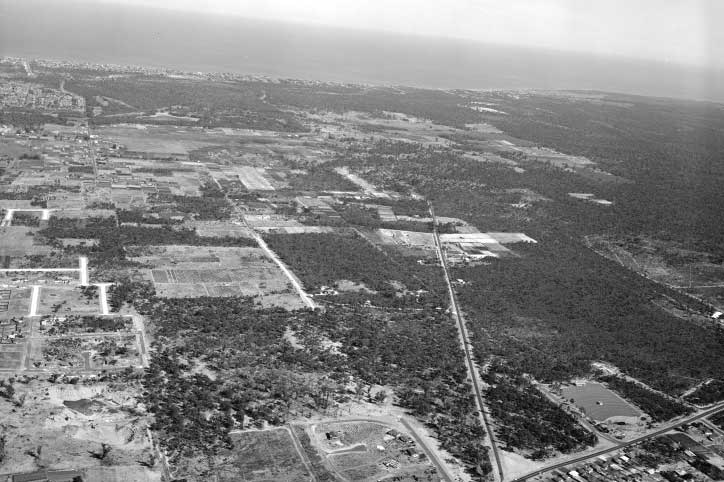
623,445
469,361
431,455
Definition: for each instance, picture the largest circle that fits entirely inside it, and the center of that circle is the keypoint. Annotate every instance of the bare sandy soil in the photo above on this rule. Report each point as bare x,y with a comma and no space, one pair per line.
61,426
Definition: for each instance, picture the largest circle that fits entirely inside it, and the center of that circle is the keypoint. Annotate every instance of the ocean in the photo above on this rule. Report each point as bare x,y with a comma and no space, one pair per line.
194,42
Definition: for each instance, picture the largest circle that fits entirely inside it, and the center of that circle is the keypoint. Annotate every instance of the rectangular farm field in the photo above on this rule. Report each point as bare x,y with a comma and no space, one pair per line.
15,303
11,356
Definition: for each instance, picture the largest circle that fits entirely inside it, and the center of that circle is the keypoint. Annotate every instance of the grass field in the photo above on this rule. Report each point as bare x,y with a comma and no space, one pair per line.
264,456
598,402
16,242
159,139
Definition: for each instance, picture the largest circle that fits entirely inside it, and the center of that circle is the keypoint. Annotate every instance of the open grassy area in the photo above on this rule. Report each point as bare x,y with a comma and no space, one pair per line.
598,402
264,456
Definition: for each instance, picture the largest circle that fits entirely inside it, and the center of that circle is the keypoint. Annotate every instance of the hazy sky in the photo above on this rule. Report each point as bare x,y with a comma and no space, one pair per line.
680,31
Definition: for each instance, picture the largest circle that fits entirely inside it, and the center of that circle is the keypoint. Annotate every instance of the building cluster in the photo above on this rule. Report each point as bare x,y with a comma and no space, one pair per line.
686,460
33,96
134,69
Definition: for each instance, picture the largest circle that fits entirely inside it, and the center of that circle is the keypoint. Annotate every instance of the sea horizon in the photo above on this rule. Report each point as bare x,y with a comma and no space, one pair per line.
208,43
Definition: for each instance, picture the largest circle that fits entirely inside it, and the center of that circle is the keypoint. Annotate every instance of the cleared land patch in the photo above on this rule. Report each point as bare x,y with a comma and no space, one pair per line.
367,451
264,456
66,299
158,140
70,422
253,179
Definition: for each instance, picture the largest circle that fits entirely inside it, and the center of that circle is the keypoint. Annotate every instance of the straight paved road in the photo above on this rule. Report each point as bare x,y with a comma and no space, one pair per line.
103,297
431,455
302,454
465,342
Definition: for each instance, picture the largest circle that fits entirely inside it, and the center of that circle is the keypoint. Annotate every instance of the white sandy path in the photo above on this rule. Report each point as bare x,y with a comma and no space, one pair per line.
83,266
8,219
34,298
103,297
357,180
38,270
292,278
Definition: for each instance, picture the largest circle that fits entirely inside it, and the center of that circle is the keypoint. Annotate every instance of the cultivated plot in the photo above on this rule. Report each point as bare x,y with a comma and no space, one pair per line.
190,271
12,356
15,302
220,229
